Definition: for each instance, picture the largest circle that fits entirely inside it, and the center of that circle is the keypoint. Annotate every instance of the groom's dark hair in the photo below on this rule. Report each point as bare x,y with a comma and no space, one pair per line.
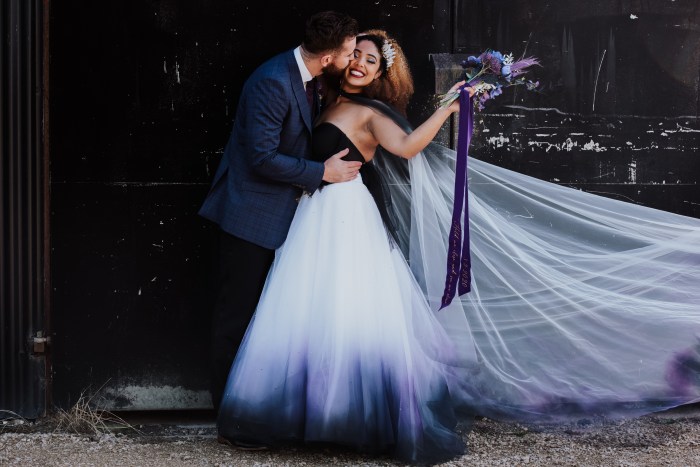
328,30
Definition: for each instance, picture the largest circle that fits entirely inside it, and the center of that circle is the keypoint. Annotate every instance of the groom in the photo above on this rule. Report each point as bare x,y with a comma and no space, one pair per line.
264,170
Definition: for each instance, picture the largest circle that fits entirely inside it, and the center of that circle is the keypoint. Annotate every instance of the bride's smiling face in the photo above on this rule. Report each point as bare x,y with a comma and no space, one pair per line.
365,66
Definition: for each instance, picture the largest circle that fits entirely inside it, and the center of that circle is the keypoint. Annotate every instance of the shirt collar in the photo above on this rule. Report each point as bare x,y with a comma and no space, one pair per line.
306,75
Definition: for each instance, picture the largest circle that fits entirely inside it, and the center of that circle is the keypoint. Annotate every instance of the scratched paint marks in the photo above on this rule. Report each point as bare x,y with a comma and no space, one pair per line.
575,148
387,8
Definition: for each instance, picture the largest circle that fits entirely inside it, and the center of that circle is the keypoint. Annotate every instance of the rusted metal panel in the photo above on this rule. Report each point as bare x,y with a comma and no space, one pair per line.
22,210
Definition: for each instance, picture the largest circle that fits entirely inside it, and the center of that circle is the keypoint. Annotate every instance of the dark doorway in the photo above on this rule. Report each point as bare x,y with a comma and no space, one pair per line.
146,91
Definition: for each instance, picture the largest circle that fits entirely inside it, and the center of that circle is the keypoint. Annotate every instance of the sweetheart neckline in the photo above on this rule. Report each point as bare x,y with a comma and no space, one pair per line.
346,137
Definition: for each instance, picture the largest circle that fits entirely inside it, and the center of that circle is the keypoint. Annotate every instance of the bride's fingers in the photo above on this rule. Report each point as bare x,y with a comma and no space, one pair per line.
457,86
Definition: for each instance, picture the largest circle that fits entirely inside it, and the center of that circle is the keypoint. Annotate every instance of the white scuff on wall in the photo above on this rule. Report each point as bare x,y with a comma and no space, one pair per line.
152,397
568,145
593,146
633,172
498,141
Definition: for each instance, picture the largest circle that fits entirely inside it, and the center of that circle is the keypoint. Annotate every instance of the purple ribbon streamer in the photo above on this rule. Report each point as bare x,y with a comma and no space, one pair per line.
459,274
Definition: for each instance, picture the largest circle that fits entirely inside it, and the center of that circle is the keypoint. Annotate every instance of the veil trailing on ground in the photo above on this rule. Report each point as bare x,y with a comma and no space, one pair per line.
580,305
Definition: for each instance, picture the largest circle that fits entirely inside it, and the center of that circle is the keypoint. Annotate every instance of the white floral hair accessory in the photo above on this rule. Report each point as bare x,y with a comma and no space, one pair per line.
388,53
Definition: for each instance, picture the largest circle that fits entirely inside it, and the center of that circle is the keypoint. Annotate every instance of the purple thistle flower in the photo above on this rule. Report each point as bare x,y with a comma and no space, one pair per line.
492,62
491,71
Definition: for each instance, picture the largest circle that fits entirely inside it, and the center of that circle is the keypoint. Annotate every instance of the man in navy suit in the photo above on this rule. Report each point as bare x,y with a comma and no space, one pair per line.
266,166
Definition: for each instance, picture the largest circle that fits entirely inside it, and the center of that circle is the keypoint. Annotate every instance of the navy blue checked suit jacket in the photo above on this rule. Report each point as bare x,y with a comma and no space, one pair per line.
265,165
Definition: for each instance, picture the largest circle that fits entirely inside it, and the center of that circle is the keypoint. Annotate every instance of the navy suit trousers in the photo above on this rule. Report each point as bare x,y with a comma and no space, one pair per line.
243,268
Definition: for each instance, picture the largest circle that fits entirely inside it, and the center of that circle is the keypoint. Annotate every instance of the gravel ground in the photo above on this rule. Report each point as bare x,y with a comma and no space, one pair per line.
668,439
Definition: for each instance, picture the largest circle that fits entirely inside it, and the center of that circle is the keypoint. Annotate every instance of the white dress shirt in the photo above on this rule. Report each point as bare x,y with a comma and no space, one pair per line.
306,75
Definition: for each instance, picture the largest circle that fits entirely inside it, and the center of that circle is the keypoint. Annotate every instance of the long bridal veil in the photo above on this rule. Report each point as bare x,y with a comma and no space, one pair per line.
580,304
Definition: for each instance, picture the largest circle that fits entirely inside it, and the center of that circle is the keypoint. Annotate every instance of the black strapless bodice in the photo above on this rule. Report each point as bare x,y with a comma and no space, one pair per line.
328,139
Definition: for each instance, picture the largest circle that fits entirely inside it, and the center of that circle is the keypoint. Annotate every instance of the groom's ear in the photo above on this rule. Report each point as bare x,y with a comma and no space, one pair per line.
326,60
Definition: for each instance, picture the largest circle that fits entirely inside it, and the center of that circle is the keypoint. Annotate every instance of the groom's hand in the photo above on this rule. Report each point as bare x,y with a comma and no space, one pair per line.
337,170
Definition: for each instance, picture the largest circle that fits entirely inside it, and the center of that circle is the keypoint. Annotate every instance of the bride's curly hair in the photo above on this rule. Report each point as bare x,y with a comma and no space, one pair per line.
395,85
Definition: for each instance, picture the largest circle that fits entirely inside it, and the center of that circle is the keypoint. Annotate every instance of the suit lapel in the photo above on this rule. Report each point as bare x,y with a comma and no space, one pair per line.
298,88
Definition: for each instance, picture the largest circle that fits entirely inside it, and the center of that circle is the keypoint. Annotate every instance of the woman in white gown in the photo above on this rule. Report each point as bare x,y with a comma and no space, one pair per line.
580,304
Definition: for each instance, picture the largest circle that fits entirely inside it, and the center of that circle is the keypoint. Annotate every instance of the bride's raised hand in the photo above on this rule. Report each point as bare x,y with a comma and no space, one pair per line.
454,107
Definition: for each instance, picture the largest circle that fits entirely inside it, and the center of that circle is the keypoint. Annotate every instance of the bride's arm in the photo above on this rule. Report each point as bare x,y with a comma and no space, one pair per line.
393,138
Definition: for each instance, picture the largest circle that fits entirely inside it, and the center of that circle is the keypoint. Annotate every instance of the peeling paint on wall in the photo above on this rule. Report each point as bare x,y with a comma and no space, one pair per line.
646,150
144,397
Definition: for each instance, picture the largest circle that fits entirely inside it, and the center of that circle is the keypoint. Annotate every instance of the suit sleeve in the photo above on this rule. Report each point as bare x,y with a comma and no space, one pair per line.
268,106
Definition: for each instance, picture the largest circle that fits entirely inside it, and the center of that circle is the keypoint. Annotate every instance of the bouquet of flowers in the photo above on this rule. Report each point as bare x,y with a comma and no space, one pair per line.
489,73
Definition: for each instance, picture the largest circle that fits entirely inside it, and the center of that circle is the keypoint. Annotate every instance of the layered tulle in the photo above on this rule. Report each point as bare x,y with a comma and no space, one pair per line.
343,347
580,305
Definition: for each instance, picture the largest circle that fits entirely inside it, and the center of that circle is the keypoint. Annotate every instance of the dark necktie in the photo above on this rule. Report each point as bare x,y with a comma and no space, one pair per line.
311,96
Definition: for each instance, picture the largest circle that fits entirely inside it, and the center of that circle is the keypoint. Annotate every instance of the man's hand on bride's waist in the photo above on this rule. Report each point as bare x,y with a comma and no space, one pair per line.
337,170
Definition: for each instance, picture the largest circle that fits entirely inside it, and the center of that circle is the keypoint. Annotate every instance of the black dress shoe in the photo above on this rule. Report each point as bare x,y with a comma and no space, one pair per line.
242,445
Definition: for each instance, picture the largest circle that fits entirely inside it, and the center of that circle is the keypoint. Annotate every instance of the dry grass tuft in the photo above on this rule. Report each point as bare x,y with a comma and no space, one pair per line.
85,419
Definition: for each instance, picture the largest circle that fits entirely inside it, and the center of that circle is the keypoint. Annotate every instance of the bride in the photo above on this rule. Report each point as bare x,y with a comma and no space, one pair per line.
580,305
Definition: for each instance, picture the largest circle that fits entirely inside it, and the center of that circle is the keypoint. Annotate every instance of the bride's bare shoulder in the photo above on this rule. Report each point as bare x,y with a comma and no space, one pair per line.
348,112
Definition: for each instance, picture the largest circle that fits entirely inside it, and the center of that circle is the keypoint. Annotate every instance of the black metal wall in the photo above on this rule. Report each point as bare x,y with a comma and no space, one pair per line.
146,91
619,109
21,208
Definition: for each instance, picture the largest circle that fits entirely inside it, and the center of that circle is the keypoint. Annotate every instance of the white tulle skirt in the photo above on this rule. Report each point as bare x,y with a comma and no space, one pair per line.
581,307
343,347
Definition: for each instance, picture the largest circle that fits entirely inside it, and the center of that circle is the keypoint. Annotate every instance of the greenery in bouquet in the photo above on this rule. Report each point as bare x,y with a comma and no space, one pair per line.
489,73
